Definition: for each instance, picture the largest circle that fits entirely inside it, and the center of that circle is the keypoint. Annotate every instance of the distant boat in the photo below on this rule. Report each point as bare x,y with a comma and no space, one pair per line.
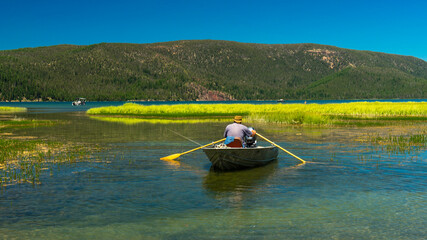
79,102
281,100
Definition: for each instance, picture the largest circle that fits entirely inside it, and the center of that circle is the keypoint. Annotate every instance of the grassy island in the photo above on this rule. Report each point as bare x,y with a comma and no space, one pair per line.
307,114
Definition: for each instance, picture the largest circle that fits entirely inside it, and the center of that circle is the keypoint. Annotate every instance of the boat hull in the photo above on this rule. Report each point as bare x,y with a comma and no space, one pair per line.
226,159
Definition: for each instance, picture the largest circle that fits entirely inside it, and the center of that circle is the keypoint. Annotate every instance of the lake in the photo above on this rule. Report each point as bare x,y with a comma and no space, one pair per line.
349,189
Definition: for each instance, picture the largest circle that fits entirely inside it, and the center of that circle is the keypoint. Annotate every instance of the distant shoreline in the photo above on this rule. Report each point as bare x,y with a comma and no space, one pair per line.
220,101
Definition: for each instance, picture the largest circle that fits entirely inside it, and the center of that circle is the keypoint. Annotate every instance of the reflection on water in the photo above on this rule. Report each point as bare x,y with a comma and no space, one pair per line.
244,180
134,195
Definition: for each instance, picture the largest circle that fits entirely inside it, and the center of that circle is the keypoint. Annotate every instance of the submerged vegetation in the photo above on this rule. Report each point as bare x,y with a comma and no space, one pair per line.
305,114
24,158
401,143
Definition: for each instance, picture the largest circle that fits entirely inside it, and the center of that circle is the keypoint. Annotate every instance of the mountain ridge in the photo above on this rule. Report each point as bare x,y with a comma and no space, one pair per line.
208,70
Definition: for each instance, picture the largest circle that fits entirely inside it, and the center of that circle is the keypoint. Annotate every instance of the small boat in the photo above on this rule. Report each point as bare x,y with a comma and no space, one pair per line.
79,102
225,158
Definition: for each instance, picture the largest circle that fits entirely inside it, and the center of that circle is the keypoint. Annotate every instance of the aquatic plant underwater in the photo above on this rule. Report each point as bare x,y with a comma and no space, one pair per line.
24,158
401,144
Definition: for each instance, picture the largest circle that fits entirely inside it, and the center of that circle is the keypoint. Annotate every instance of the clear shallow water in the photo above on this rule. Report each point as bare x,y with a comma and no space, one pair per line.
134,195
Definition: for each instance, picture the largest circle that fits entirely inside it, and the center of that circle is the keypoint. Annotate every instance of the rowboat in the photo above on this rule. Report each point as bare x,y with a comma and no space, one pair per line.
228,158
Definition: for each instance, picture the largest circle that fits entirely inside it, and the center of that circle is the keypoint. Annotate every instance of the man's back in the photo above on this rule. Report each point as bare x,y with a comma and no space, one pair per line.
237,130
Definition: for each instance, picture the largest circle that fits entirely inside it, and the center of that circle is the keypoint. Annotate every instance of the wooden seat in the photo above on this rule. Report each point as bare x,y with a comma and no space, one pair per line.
237,143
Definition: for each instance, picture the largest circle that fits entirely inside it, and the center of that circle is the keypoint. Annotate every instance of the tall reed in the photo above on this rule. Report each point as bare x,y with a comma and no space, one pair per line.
321,114
178,110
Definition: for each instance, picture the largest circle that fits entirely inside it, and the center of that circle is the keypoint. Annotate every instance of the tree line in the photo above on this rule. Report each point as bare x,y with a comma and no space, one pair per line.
170,71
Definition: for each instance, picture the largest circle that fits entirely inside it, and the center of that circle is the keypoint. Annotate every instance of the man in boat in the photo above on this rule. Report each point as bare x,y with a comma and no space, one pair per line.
236,132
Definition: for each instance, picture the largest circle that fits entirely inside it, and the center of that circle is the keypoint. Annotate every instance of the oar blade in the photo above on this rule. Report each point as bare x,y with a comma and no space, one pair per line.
171,157
177,155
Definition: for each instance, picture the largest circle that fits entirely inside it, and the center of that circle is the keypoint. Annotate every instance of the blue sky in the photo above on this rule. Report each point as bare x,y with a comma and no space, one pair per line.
398,27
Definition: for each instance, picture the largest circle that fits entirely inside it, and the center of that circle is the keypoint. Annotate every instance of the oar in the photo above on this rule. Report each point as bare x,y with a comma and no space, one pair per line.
177,155
293,155
191,140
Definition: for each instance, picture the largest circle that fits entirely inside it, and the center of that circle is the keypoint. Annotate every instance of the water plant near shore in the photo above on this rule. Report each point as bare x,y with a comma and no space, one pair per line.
12,109
310,114
407,143
23,158
23,161
25,123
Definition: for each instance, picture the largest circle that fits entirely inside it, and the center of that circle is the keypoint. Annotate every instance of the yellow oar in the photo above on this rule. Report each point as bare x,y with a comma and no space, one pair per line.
177,155
293,155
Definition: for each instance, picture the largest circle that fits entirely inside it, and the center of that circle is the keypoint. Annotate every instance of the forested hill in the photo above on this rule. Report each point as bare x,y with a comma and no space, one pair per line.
207,70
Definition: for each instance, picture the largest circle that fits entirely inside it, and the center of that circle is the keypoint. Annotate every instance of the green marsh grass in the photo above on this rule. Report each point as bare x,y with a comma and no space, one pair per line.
12,109
24,123
178,110
303,114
